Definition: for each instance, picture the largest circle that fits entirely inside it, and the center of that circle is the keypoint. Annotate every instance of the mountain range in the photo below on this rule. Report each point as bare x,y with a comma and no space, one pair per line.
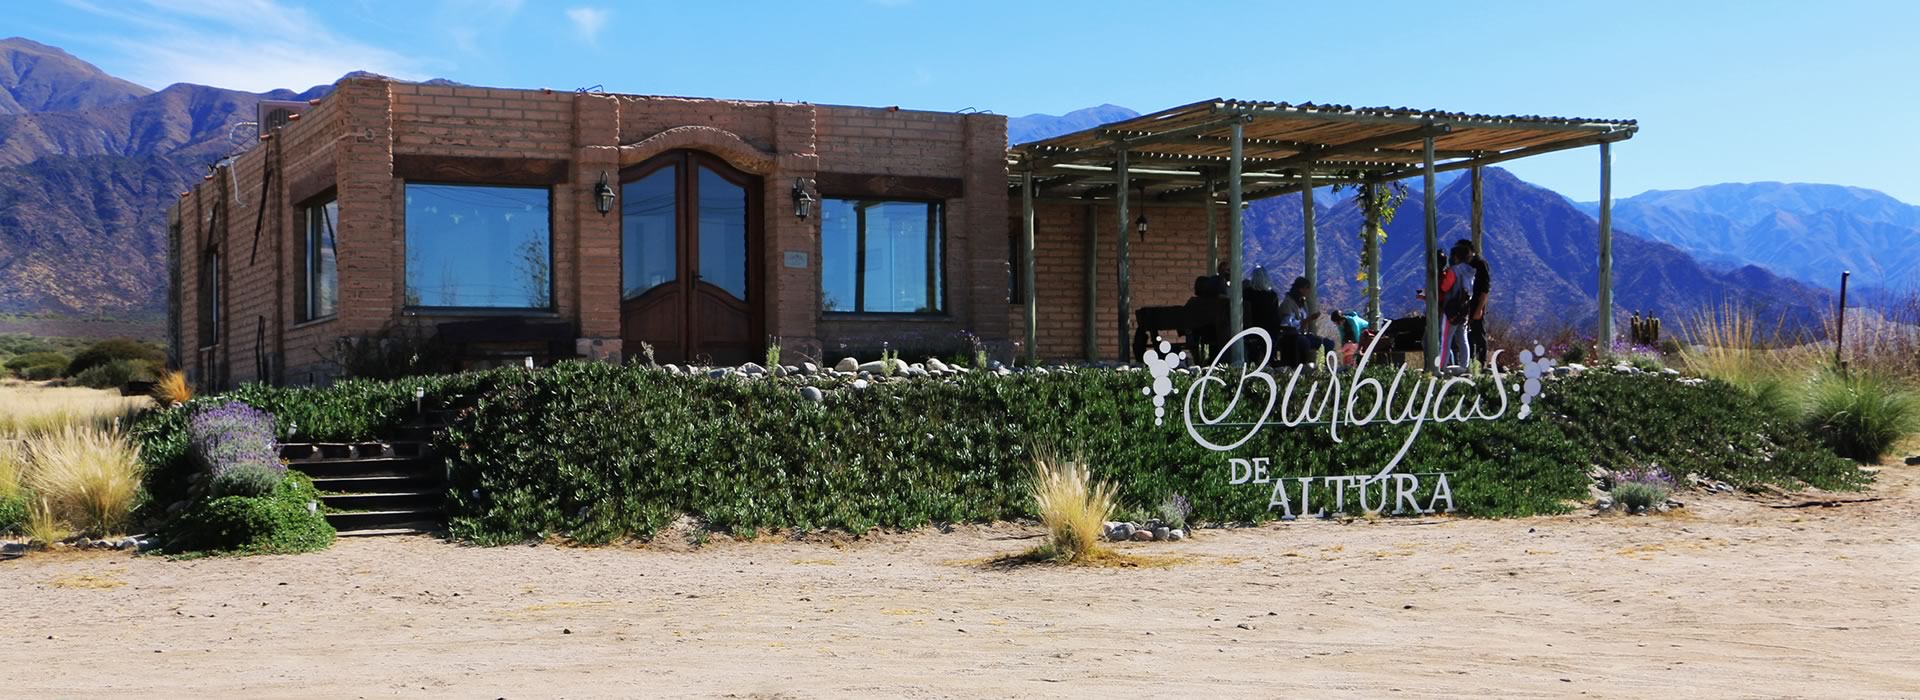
89,164
1805,231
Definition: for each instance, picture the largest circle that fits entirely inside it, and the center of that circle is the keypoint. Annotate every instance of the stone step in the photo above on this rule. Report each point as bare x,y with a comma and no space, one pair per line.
334,451
379,483
384,519
376,466
421,499
420,528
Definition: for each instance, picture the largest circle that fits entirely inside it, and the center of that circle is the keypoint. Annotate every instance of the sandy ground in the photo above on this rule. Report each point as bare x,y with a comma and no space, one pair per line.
1736,597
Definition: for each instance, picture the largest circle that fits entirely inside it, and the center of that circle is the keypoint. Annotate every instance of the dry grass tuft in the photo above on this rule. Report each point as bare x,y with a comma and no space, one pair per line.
172,389
89,477
42,527
13,467
1072,507
27,410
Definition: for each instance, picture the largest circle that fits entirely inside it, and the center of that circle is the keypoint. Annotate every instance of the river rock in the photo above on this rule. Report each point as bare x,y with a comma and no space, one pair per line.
1176,535
13,548
1120,532
874,367
1913,460
1160,534
1577,367
809,369
752,369
848,364
1671,372
812,393
1143,535
1603,504
860,384
671,368
934,363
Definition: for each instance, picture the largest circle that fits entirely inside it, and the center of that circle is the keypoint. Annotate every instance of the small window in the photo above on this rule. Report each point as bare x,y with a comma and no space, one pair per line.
210,298
881,256
478,247
320,255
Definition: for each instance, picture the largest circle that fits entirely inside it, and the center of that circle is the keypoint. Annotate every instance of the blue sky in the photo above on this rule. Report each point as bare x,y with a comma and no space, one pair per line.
1806,92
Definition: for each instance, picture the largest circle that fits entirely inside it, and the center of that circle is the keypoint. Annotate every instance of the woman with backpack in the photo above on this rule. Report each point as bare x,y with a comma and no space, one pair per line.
1456,305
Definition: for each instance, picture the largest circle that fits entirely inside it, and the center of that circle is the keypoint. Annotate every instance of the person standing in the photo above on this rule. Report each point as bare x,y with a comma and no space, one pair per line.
1477,319
1456,305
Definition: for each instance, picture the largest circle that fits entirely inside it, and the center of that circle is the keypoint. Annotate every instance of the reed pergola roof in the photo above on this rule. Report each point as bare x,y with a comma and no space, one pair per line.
1173,153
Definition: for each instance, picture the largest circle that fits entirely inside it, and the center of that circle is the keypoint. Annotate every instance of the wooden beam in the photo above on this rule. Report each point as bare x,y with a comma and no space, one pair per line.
1121,261
1213,232
1311,259
1128,138
1297,113
1433,349
1606,249
1476,221
1515,154
1235,270
873,185
1026,271
1365,145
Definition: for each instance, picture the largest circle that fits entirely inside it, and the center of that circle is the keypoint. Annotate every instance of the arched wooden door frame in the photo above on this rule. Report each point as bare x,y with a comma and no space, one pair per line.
691,319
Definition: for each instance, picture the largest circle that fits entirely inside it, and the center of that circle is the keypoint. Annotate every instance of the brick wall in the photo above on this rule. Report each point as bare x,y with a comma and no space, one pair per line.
1161,273
348,144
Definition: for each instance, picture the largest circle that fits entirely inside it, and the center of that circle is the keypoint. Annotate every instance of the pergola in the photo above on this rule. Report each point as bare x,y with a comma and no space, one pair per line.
1186,156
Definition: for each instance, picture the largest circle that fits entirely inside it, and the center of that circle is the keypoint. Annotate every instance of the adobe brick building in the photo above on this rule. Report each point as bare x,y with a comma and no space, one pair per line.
479,215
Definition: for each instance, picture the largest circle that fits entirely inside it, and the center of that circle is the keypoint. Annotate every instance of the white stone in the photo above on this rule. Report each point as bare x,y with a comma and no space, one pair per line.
848,364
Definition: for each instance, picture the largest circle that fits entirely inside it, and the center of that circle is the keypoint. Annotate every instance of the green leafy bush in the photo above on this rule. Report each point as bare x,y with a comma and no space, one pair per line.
1861,415
285,521
600,453
246,480
38,366
145,355
1637,496
113,374
13,513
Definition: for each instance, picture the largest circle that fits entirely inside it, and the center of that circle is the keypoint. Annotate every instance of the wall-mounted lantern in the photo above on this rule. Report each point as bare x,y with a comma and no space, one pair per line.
802,198
603,195
1140,224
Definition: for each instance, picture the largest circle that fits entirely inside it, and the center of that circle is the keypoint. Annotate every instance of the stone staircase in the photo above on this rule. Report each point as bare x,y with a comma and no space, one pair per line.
379,487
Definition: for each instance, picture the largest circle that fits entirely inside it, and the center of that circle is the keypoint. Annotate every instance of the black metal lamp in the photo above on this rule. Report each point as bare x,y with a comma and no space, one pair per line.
603,195
802,198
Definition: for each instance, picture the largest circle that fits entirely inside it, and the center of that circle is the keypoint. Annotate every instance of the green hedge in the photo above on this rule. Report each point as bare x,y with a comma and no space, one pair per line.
598,453
13,513
286,521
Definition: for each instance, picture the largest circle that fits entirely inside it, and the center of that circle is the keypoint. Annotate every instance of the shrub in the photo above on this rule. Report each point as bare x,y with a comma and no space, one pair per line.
1646,362
1575,354
89,477
172,389
1072,508
113,375
246,480
1174,511
42,525
20,363
40,373
13,513
233,434
1862,414
1637,496
133,352
286,520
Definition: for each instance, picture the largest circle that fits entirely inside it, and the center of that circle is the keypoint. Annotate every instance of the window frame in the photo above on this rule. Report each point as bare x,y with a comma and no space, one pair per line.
209,309
304,310
942,307
553,295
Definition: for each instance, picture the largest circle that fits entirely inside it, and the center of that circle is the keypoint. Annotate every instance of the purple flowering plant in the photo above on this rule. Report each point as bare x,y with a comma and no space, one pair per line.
233,434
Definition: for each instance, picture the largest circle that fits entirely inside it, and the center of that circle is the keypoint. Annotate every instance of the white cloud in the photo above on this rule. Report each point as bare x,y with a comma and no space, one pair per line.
587,22
253,45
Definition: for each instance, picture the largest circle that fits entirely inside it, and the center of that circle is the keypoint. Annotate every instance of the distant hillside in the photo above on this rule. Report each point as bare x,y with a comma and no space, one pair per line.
1035,127
88,166
1809,232
1544,254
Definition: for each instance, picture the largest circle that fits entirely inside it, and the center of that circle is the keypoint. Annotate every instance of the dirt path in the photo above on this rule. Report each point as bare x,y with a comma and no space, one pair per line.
1734,598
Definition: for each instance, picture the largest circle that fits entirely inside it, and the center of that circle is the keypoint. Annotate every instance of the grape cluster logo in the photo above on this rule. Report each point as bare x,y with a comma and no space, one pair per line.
1161,361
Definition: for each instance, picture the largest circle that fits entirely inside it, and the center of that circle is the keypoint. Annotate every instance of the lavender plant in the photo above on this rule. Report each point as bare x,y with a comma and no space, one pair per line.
1174,511
1640,488
233,434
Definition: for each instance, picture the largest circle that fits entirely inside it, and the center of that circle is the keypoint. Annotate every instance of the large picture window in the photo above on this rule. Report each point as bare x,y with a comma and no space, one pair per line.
881,256
319,255
480,247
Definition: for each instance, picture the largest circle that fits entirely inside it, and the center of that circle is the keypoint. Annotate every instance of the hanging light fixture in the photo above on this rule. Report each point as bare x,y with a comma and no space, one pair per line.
603,195
802,198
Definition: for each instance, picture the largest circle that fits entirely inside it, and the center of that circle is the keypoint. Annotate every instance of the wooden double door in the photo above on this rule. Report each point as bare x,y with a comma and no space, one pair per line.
690,258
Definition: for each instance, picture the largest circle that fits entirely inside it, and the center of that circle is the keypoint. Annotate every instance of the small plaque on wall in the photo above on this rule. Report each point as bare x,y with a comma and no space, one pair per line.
796,258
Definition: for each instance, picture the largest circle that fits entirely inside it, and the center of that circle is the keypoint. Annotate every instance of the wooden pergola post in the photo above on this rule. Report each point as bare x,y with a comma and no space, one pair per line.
1213,232
1478,231
1090,334
1432,347
1235,271
1026,272
1311,259
1606,248
1371,210
1121,261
